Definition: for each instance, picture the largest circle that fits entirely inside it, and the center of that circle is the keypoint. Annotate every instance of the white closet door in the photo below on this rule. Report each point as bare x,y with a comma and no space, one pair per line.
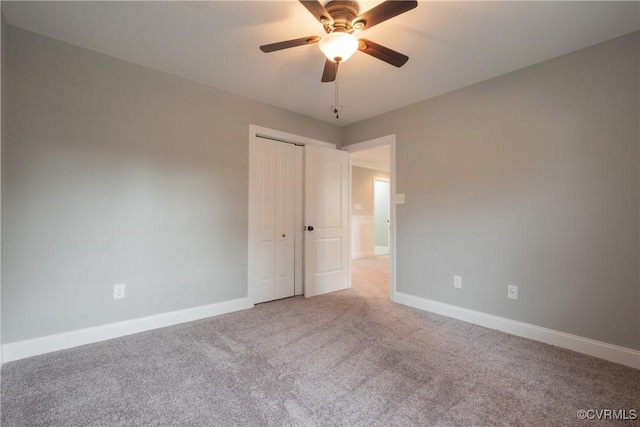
274,200
264,220
285,211
327,212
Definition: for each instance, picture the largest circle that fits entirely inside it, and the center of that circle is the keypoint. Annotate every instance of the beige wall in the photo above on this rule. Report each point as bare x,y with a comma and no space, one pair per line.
362,189
117,173
531,179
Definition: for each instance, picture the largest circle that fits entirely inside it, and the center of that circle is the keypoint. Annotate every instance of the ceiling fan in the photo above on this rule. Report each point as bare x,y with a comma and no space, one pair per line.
340,18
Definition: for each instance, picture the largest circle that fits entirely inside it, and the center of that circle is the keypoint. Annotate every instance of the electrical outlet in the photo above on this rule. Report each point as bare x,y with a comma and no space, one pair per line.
512,292
118,291
457,281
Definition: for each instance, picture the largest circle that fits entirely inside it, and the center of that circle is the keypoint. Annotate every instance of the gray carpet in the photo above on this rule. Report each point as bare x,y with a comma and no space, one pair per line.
348,358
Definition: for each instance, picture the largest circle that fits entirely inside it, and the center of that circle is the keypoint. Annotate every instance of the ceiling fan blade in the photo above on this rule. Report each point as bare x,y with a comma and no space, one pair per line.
289,43
382,12
318,11
383,53
330,71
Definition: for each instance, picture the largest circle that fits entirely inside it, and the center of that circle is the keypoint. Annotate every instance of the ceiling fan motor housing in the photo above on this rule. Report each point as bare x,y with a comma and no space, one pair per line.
343,12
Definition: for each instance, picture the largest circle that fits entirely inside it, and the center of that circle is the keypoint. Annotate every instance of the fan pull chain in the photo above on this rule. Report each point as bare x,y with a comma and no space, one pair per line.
335,106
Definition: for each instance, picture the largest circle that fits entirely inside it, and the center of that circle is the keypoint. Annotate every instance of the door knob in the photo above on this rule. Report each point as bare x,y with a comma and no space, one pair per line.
284,235
310,228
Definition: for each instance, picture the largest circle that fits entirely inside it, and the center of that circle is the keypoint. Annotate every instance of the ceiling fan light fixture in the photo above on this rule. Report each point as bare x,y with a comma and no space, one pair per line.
338,46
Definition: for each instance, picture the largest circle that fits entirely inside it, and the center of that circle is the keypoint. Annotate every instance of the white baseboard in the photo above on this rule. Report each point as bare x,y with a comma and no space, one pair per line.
610,352
381,250
33,347
362,255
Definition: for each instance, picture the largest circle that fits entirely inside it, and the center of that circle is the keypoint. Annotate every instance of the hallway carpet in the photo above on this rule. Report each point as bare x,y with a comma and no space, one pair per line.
348,358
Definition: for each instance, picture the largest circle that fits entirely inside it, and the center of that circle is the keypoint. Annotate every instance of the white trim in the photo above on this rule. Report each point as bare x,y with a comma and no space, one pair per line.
392,235
298,234
389,140
381,250
33,347
362,255
251,235
610,352
351,218
362,218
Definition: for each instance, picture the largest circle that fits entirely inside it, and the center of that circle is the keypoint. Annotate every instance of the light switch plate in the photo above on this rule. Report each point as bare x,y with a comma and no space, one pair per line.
400,199
118,291
457,282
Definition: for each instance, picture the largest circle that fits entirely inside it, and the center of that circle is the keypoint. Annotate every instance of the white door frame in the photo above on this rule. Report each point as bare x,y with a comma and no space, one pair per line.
263,132
389,140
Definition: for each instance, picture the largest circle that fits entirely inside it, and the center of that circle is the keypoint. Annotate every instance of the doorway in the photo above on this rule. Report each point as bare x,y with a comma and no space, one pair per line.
373,213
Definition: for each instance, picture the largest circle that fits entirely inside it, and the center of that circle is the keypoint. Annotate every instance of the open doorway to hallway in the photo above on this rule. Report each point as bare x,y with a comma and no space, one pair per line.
371,275
371,219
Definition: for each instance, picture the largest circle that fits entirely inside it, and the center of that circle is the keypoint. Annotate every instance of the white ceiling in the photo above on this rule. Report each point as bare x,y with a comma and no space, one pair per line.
450,45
